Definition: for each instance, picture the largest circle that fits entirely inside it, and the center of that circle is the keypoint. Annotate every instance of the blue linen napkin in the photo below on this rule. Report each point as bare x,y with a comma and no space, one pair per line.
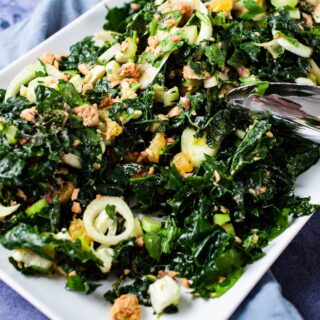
265,302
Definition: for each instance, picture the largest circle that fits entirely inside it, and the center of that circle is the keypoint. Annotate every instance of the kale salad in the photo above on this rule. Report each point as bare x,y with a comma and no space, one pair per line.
122,157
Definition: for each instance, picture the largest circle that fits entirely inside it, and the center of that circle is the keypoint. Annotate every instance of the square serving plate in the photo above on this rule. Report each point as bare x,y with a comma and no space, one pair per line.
49,294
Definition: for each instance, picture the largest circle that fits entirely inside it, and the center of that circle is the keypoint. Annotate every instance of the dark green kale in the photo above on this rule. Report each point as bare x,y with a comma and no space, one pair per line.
138,287
253,9
78,284
2,94
217,54
24,236
254,146
219,217
116,19
128,255
29,271
161,242
127,19
84,51
69,93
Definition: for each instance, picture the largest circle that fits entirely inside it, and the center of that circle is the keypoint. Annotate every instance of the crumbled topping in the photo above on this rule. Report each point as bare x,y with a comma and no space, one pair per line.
126,307
48,58
29,114
130,70
89,114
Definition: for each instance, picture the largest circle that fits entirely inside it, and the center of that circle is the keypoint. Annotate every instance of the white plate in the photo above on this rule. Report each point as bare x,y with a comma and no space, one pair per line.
49,295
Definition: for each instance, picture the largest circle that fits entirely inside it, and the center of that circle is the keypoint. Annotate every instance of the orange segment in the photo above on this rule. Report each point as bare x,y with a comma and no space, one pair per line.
220,5
157,145
183,163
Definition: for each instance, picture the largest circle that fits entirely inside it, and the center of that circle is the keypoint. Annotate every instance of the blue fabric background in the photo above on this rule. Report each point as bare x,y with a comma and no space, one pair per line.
13,11
297,269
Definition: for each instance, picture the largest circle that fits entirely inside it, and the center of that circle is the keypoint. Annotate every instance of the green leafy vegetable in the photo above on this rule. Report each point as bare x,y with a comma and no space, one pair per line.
75,283
116,19
208,209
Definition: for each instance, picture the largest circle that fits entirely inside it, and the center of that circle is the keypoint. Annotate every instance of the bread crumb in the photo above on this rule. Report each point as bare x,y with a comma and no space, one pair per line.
48,58
89,114
29,114
126,307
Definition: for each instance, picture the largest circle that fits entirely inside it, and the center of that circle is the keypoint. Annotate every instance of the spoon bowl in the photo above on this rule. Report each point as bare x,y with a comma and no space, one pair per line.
295,104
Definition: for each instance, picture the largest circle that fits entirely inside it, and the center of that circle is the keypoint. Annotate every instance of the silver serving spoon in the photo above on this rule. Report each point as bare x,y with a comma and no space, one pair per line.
295,104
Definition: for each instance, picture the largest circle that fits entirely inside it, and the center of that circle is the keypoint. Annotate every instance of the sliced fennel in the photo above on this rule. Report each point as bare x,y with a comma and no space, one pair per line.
105,254
210,82
150,69
110,53
23,77
103,36
150,72
164,293
112,69
205,32
315,70
129,53
95,208
104,223
49,81
169,98
292,45
31,259
284,3
294,13
195,147
190,33
95,74
6,211
150,224
77,82
274,48
27,74
52,71
305,81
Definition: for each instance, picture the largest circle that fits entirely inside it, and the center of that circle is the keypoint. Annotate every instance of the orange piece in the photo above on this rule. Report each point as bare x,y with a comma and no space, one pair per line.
183,163
220,5
157,146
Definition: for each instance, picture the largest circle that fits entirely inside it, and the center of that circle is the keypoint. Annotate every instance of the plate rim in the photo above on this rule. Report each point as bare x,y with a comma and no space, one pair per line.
289,234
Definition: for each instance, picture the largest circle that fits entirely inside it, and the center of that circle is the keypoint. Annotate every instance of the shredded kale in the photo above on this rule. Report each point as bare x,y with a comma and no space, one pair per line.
84,51
116,19
69,138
